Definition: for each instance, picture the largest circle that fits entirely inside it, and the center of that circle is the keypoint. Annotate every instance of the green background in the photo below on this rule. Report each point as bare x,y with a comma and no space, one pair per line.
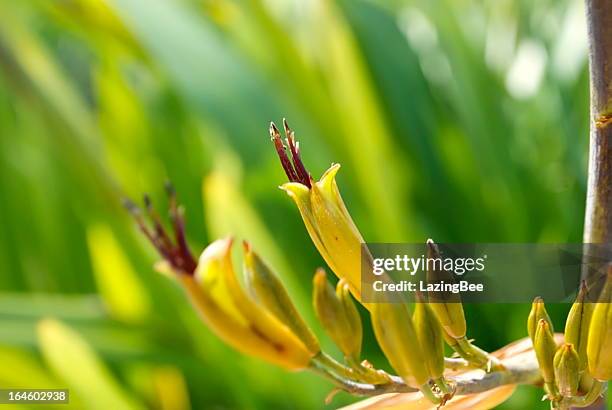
458,120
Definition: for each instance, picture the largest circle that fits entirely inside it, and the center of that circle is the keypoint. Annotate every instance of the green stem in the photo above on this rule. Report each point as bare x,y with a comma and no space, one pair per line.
525,371
476,356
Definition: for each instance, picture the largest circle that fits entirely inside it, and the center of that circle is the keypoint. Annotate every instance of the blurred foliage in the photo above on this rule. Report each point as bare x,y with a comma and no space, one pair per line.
457,120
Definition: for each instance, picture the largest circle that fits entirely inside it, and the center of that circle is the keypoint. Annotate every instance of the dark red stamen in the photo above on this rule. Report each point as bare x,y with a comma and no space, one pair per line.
294,147
294,167
282,153
176,253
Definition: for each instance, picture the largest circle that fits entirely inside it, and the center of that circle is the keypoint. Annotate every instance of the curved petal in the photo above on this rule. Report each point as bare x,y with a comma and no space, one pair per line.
234,317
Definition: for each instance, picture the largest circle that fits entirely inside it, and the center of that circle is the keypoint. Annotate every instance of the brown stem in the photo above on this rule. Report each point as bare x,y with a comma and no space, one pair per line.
598,217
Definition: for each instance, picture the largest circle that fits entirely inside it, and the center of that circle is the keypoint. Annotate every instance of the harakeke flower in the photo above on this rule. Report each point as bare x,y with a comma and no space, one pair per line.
545,348
327,219
567,370
429,332
397,337
250,326
448,308
338,315
577,324
538,312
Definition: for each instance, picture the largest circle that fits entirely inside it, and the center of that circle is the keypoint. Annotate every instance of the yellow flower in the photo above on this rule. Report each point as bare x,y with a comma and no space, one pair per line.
327,220
254,327
235,317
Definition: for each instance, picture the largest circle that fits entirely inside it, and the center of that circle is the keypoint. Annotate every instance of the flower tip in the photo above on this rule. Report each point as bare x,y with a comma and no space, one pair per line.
568,347
217,249
331,172
543,323
246,246
286,126
320,277
274,132
432,249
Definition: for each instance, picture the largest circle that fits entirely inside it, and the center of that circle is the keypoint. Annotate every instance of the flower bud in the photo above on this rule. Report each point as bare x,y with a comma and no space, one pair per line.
429,333
352,316
447,308
538,312
599,344
265,287
339,322
396,335
567,370
216,294
577,324
545,348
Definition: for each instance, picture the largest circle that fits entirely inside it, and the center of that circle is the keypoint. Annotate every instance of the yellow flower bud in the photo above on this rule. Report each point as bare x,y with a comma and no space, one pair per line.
266,288
396,335
449,310
234,317
429,333
339,322
599,344
545,348
352,316
567,370
538,312
577,324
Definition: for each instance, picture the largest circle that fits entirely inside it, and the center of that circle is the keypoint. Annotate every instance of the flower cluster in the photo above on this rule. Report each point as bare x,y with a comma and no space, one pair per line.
575,371
260,319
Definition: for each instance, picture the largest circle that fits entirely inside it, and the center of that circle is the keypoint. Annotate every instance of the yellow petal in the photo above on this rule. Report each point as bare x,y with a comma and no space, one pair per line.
339,235
301,196
270,293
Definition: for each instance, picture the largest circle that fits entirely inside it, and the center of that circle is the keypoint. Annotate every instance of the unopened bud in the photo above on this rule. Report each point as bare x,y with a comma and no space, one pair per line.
545,348
265,287
430,336
538,312
599,345
577,324
567,370
447,307
344,330
396,335
351,315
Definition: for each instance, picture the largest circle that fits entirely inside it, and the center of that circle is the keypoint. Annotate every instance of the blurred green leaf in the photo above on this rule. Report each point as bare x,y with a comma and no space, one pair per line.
77,364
